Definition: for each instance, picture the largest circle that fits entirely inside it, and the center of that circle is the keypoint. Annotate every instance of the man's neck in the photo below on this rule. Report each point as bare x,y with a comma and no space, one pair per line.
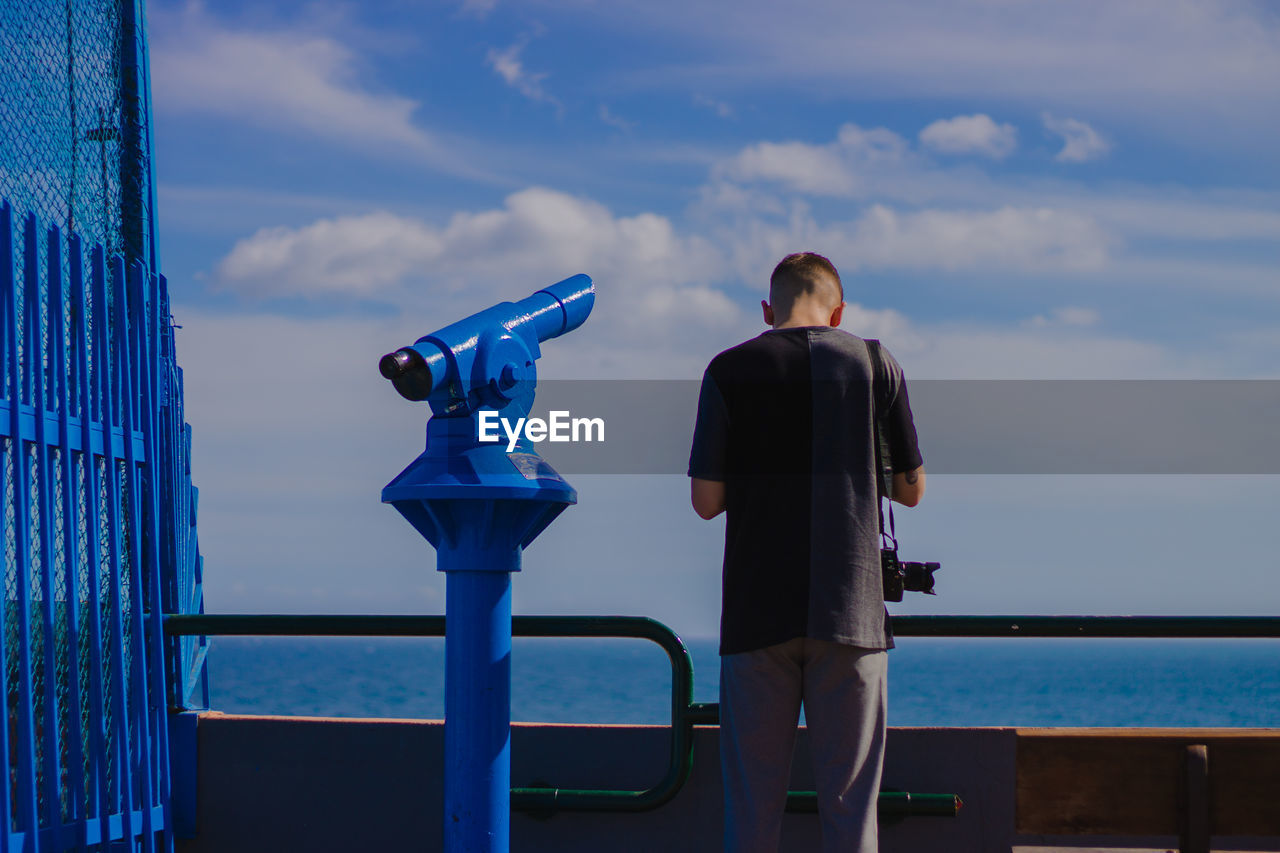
802,322
806,313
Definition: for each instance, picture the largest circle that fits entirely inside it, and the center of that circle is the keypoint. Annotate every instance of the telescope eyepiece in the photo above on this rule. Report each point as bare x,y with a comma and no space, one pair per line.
394,364
408,372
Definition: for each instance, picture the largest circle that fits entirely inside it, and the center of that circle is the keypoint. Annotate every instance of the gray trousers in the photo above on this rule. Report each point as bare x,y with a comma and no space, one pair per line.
845,695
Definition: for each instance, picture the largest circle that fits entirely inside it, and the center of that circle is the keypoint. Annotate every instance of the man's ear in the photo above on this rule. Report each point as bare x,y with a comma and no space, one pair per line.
768,312
836,314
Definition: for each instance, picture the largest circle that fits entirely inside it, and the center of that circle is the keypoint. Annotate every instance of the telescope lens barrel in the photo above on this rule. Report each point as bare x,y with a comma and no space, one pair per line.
408,372
562,307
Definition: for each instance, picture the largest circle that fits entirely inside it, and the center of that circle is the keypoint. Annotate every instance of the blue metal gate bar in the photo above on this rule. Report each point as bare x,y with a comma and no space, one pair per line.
70,525
98,780
128,297
35,324
144,305
7,797
17,490
118,726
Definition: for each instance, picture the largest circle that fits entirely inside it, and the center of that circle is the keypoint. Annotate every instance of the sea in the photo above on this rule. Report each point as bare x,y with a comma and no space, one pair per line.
932,681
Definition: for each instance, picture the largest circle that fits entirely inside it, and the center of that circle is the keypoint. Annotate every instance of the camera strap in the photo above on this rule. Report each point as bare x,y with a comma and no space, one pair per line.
884,465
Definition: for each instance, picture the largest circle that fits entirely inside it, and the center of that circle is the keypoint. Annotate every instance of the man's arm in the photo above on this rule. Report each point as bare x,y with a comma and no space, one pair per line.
707,457
904,445
708,497
908,486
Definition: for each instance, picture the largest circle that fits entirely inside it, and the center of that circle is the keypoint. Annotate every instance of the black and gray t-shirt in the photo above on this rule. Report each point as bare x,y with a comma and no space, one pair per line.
785,422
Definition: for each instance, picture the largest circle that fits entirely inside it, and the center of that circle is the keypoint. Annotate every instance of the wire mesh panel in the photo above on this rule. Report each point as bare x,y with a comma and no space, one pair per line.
76,148
97,512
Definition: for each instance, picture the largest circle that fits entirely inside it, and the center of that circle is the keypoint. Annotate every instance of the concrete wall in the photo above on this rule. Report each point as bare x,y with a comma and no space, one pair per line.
308,784
284,784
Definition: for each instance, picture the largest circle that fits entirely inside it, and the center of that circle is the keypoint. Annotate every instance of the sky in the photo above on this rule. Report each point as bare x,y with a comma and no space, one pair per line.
1011,190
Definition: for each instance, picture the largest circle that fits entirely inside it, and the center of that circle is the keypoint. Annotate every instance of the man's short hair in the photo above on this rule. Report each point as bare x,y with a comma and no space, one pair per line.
801,273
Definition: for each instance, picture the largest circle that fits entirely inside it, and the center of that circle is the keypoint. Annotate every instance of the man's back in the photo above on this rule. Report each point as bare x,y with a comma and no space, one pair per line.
802,552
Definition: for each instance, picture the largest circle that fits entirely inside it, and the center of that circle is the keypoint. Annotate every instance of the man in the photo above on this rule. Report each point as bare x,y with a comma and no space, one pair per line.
784,445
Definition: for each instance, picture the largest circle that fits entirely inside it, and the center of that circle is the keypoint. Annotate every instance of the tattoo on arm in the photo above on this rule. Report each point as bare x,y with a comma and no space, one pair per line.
912,478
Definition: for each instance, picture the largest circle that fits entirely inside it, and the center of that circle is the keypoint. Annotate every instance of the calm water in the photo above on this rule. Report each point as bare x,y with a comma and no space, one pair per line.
943,682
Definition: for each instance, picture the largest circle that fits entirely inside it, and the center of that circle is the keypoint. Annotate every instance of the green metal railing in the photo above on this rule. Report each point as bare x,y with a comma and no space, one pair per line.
685,713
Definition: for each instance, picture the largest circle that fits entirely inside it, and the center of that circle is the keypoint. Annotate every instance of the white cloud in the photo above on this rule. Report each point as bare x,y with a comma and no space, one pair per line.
510,67
652,273
1007,239
883,324
798,165
355,255
1066,316
988,351
654,280
1189,215
1080,142
720,108
607,116
919,215
282,80
757,177
832,169
726,198
658,277
975,134
478,8
1001,241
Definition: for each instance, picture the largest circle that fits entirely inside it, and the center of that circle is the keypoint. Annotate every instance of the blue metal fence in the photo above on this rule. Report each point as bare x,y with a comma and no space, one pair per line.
96,502
85,719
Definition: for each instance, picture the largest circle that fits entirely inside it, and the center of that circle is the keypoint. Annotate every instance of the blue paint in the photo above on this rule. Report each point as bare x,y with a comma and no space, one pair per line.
480,507
477,750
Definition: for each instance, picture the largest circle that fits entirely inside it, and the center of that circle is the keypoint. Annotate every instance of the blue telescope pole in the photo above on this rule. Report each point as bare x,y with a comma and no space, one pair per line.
477,749
480,506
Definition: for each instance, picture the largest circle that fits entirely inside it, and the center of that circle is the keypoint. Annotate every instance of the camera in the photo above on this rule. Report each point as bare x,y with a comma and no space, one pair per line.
903,575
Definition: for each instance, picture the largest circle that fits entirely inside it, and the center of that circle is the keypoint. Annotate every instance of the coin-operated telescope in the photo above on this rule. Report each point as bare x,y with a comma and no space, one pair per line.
487,362
481,506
